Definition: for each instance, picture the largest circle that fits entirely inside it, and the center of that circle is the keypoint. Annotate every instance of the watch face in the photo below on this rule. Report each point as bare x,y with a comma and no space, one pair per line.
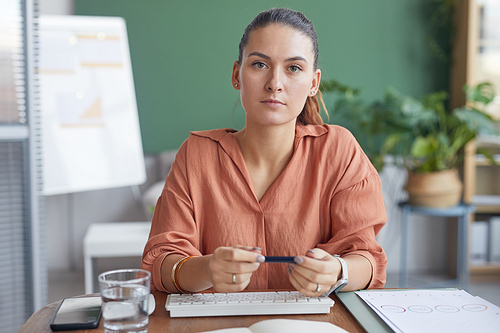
337,287
341,284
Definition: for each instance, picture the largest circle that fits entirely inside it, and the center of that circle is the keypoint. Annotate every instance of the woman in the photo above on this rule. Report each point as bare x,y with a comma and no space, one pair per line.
285,185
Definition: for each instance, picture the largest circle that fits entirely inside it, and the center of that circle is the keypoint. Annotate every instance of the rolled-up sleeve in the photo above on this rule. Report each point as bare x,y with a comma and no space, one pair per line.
173,229
357,215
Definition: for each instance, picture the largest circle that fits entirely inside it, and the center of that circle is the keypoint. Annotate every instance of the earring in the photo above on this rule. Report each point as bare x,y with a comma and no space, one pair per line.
236,85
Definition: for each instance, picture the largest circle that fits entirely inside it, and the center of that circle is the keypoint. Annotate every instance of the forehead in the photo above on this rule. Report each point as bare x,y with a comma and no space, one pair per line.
278,41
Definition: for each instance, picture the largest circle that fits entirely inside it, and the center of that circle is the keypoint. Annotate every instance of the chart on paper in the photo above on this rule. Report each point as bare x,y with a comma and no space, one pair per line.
409,311
91,129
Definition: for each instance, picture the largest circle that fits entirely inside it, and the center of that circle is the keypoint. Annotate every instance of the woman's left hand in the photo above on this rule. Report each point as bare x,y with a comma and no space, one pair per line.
314,273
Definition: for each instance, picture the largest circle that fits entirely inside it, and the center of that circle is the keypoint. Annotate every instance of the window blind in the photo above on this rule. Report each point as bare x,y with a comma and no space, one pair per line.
23,277
14,307
12,63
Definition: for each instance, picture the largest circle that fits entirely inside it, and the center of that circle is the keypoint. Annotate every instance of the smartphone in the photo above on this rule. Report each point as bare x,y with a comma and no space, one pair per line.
75,313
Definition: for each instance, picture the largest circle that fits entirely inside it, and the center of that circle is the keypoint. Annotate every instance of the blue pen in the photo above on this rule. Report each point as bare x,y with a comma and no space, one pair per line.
277,259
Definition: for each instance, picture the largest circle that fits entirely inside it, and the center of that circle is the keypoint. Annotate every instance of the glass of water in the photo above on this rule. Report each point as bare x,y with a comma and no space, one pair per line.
125,298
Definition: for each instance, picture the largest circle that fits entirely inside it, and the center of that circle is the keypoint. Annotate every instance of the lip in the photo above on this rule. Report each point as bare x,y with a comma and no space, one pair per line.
273,103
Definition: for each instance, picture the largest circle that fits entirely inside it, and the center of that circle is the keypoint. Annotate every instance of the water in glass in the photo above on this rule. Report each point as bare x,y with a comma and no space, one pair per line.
125,308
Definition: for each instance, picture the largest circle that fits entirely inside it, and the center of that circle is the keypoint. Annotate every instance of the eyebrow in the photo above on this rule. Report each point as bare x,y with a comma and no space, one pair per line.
262,55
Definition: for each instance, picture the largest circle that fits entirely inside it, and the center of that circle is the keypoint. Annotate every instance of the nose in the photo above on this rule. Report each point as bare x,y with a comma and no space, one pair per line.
274,83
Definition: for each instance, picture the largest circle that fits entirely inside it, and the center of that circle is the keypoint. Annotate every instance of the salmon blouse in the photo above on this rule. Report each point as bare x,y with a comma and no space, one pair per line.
329,196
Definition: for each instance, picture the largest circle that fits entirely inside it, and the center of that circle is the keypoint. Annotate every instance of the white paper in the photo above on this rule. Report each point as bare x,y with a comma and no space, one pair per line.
91,134
429,311
285,326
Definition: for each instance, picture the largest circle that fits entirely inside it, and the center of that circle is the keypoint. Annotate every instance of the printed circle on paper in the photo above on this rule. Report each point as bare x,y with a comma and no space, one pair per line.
474,307
420,309
393,308
447,308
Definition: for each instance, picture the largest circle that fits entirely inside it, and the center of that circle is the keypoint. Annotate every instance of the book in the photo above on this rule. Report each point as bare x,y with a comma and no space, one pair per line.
494,240
285,326
479,243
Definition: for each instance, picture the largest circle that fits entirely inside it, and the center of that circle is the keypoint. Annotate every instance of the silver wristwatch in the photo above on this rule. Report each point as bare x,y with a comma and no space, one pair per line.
343,280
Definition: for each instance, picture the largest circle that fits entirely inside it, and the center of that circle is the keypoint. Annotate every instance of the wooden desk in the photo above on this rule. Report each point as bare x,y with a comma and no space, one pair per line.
160,320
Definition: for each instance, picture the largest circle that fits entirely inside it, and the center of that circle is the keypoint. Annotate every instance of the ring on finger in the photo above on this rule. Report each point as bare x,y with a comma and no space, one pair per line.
234,278
318,289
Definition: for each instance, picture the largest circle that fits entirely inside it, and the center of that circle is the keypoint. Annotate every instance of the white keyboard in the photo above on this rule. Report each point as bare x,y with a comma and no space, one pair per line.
245,303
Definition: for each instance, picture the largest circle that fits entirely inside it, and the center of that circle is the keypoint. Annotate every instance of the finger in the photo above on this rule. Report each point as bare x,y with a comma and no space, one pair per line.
316,264
317,253
240,267
294,282
219,266
308,290
232,288
248,248
310,276
241,282
309,279
236,254
239,278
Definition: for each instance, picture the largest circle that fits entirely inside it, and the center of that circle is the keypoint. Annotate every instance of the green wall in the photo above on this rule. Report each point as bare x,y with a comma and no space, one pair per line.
182,55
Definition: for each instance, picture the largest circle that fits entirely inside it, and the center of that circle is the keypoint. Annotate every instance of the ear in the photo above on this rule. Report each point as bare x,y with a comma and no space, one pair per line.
315,83
235,78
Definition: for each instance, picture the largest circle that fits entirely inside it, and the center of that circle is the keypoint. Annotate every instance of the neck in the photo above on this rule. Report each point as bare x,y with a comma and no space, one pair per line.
267,146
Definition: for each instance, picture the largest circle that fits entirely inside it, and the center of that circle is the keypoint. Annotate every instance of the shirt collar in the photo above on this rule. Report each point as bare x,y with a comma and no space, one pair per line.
300,132
310,130
215,135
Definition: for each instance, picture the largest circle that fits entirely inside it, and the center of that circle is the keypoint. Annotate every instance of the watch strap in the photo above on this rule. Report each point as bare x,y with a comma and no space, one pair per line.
344,279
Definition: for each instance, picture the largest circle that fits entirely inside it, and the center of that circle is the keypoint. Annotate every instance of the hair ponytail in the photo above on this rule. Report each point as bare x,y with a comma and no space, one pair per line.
311,112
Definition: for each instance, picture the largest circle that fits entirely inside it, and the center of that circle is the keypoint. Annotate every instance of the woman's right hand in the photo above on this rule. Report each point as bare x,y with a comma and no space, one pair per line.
230,268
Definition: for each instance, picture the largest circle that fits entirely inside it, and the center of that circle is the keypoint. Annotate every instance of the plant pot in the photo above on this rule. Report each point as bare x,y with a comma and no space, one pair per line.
435,189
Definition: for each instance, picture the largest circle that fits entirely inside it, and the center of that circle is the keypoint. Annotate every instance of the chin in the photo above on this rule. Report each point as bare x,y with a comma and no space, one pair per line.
272,117
275,121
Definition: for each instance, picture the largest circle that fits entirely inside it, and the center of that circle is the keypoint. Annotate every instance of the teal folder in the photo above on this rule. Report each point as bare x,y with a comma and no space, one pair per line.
370,320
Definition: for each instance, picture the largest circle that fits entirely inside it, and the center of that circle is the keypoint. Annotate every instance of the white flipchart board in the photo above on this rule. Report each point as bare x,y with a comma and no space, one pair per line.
91,135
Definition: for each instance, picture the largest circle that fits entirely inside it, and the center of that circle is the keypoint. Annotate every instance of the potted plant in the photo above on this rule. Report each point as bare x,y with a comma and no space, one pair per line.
425,137
365,122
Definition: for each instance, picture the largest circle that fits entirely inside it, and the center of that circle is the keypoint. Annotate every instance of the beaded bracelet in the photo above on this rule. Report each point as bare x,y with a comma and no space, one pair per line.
175,273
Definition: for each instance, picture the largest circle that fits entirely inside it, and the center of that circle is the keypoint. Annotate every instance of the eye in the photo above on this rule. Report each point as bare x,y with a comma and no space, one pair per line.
295,68
259,65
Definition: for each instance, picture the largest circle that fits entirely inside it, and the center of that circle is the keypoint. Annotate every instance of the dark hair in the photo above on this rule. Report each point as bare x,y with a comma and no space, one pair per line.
297,20
286,17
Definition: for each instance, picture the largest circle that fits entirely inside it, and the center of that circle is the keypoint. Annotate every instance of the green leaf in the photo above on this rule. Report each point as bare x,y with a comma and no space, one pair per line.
435,101
475,120
391,141
482,93
336,86
423,146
